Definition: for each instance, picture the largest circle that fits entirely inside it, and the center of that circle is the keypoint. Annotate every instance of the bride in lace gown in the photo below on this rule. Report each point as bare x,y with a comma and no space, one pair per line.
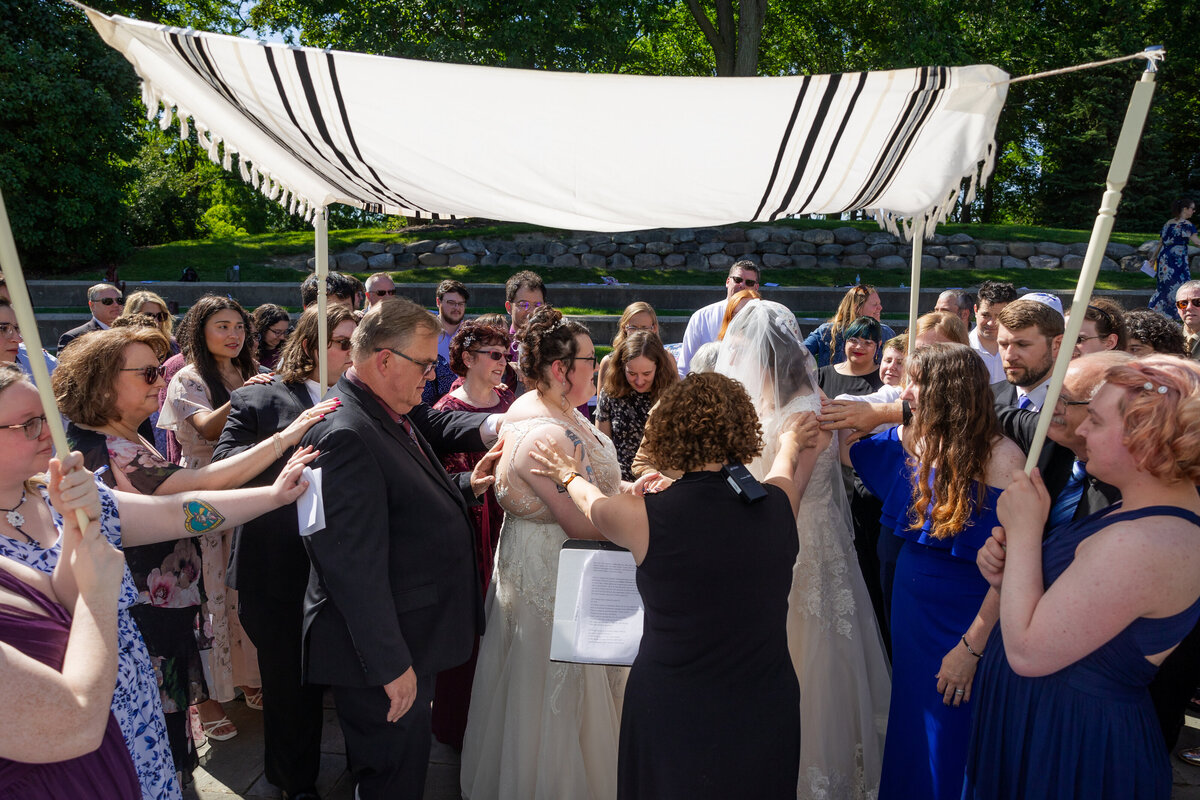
538,730
845,681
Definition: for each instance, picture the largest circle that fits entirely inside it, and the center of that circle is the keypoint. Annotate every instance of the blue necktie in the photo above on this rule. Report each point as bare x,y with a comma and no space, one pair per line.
1026,403
1063,510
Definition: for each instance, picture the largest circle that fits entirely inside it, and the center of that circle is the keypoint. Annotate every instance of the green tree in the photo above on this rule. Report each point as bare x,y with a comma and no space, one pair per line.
65,121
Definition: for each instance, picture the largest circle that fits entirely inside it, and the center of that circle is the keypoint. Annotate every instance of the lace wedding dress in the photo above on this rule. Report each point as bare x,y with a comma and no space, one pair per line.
539,730
837,651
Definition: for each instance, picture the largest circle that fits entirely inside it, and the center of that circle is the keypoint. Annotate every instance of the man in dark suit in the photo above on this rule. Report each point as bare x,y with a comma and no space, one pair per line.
393,597
105,302
1029,337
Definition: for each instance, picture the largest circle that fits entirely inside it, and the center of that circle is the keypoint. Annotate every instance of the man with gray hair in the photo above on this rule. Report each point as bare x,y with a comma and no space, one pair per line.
380,287
958,303
393,596
106,303
1187,300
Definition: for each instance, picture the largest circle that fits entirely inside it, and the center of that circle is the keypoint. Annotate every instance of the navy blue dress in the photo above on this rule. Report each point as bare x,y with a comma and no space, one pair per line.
937,593
1089,730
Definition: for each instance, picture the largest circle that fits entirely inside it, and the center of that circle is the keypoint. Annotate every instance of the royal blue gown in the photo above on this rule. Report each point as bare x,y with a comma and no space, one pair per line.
937,593
1088,730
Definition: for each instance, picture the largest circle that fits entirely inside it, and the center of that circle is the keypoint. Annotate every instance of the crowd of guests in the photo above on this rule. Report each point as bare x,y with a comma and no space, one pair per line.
935,623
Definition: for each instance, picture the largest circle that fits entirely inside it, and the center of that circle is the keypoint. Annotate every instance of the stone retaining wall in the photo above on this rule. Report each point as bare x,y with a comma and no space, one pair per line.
774,247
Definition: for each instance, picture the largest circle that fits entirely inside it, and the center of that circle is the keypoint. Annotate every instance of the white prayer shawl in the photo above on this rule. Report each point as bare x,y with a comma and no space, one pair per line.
573,151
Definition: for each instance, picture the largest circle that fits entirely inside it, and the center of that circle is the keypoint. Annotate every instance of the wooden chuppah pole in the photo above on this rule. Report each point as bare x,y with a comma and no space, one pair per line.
322,244
1118,176
914,293
14,277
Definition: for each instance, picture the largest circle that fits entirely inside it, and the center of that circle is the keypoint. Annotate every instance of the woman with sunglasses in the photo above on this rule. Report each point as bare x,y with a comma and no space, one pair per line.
1103,328
143,302
220,358
269,566
107,384
1170,257
272,325
31,532
828,342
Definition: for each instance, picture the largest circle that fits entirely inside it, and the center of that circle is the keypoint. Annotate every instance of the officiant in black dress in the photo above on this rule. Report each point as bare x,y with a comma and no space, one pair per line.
712,703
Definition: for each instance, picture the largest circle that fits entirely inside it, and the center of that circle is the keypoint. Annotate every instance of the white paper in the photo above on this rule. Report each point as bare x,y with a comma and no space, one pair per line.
310,507
1148,268
598,612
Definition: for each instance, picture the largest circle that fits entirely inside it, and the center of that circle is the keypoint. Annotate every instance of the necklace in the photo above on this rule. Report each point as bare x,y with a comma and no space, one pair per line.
17,519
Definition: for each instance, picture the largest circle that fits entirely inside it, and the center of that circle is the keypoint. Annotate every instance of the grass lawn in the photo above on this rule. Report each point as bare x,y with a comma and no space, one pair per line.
264,257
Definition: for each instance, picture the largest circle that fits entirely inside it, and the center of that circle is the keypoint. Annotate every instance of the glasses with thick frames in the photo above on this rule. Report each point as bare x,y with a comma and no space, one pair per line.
1182,304
343,344
427,367
32,427
149,374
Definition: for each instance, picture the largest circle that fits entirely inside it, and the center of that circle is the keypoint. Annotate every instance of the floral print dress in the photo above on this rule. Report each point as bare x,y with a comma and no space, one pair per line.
1172,265
136,703
233,659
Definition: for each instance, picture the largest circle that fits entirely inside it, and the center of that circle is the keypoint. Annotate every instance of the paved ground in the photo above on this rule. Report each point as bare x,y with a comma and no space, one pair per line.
233,769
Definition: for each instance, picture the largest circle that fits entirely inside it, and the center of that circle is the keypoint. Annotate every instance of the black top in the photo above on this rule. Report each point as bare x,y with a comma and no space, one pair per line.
834,383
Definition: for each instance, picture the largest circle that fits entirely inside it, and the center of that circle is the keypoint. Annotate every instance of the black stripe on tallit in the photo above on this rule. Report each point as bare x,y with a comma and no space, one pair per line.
349,131
904,134
814,130
213,79
870,184
837,138
787,135
932,101
309,87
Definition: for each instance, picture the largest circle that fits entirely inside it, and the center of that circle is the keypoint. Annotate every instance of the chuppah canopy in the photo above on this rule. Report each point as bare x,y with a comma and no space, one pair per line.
576,151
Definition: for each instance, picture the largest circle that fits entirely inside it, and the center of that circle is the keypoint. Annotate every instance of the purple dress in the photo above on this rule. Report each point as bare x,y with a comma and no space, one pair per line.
106,772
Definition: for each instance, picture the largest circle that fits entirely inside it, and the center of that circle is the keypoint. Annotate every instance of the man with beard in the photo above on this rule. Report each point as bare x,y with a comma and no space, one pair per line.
1029,337
451,299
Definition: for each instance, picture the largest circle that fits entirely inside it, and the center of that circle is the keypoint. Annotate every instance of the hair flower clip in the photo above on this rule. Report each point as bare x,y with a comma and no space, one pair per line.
1150,387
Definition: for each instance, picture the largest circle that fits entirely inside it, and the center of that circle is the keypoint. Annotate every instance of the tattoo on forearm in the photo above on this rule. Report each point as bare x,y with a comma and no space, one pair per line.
577,442
200,517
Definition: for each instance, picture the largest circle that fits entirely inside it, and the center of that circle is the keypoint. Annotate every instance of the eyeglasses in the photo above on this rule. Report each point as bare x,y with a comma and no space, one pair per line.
1082,338
161,316
427,367
492,354
591,358
454,303
9,331
108,301
149,374
1182,304
739,280
383,292
343,343
32,428
635,328
525,305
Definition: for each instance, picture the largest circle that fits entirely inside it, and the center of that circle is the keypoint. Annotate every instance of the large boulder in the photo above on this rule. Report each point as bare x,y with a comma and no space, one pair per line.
854,249
960,238
683,235
674,260
381,262
647,261
857,260
631,250
512,259
758,235
891,262
659,248
448,247
1044,262
989,262
848,235
802,248
565,260
775,248
351,262
1052,249
1021,249
695,261
462,260
737,249
819,236
1012,262
804,261
776,260
422,246
830,249
719,261
555,249
433,259
537,260
955,261
592,260
708,248
475,246
991,248
368,249
878,237
881,250
619,261
1116,250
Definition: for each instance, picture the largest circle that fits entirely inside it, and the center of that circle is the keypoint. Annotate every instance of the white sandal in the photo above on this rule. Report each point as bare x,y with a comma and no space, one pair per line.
211,727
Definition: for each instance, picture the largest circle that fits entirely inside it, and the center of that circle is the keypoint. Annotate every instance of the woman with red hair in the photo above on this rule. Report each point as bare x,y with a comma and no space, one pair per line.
1087,616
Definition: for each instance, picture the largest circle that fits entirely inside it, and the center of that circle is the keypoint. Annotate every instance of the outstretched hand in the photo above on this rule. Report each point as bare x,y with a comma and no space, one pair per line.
484,474
292,434
840,415
558,466
805,430
290,483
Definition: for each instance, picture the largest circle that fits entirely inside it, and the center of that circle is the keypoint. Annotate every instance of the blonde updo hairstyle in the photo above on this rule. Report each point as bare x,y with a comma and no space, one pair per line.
1162,428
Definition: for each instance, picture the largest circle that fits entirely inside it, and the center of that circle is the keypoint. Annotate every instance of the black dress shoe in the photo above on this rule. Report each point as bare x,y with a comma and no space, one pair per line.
307,794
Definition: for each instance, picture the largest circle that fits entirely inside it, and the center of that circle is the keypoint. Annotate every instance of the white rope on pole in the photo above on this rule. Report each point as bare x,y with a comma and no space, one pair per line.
14,278
1118,176
322,245
914,293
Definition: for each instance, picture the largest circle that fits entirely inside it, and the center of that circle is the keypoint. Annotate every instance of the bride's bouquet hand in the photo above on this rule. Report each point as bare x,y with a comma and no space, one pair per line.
558,466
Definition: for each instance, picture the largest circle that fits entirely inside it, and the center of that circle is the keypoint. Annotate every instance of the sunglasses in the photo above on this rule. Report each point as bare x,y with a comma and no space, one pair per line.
492,354
383,292
108,301
149,374
340,342
1182,304
739,280
161,316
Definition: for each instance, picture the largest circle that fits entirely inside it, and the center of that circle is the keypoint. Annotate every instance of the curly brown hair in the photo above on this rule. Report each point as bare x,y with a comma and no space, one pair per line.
298,358
472,334
706,418
639,344
85,380
954,426
546,337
